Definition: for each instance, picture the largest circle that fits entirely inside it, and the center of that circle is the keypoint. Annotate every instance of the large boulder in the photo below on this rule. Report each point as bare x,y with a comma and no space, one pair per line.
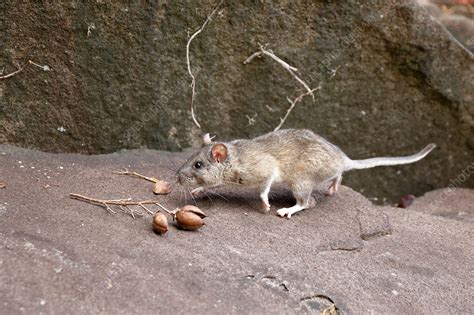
392,80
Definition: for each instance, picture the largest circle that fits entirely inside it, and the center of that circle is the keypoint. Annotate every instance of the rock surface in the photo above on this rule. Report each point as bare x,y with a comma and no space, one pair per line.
59,255
392,80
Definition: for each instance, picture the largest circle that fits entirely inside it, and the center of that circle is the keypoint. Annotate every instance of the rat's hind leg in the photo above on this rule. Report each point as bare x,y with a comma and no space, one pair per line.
335,185
264,190
302,192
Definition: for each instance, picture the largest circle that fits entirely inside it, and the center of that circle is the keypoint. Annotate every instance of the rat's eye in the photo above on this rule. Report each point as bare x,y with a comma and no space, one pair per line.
198,164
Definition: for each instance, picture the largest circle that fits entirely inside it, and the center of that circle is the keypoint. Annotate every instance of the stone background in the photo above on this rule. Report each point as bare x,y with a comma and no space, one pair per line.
64,256
401,80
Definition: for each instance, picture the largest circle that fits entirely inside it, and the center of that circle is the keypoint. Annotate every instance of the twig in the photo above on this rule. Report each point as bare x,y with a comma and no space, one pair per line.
13,73
252,56
193,82
290,69
45,67
166,210
252,120
145,208
293,104
122,203
90,27
135,174
333,72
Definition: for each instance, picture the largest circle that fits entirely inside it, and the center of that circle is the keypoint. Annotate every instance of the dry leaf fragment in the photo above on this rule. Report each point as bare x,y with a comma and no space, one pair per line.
160,223
331,310
161,188
188,220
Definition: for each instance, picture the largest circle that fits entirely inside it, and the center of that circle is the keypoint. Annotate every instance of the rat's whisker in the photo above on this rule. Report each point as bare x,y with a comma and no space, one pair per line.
194,200
185,197
208,197
219,195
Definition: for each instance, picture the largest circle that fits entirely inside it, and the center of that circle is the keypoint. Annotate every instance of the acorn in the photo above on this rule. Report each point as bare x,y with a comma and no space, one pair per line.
189,220
195,210
160,223
161,188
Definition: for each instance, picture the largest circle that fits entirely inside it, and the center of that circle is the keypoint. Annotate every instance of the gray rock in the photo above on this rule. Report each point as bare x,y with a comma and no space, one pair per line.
59,255
392,80
452,203
462,29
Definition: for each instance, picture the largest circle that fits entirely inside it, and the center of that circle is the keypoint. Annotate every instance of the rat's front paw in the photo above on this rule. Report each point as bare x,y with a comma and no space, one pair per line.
198,192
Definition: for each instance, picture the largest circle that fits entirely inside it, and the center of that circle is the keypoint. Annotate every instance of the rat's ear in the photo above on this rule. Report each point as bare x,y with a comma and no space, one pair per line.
219,152
207,139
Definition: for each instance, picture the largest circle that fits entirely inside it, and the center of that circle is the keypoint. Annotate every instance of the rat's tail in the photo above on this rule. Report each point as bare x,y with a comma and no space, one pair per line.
381,161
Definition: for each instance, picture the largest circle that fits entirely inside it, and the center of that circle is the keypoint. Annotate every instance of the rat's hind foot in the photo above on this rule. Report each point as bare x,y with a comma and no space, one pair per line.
265,206
302,192
334,186
288,212
331,191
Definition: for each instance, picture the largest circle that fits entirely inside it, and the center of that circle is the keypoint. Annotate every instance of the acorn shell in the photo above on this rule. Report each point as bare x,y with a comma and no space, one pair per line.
161,188
187,220
195,210
160,223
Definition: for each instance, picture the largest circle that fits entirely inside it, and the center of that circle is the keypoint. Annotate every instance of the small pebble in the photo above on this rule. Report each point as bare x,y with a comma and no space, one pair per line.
406,201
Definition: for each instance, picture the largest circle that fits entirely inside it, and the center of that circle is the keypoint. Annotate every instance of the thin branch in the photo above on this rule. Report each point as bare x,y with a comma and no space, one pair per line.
44,67
121,203
135,174
270,54
146,209
193,82
293,104
166,210
290,69
253,56
13,73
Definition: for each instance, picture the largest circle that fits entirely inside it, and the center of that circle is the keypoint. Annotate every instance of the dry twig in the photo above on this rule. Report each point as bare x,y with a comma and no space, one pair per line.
293,104
291,70
135,174
13,73
121,203
193,82
44,67
160,187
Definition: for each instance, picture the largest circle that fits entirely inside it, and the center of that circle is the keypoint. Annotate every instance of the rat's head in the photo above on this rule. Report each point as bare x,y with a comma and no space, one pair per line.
204,168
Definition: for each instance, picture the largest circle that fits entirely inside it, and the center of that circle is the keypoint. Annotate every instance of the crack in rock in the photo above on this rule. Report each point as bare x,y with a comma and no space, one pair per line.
373,223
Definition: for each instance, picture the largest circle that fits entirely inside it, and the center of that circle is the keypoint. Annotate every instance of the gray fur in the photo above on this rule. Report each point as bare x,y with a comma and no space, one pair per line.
297,157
